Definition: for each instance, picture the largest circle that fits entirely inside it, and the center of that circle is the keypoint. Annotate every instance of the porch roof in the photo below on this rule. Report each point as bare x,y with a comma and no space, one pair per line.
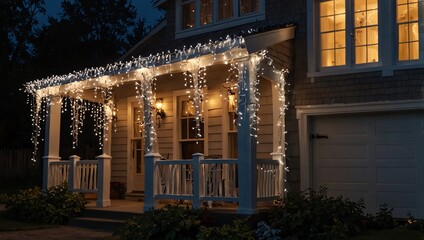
201,55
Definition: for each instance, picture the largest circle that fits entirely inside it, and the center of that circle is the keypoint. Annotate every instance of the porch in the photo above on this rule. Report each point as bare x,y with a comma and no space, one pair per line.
244,181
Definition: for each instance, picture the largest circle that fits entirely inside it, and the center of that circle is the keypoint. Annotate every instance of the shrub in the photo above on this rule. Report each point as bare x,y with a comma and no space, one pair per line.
238,230
265,232
169,222
314,215
416,224
56,205
382,220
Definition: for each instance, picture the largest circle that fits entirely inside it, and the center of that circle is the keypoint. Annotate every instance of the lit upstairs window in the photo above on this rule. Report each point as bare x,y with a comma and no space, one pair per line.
225,9
366,31
187,14
333,33
249,6
206,11
408,29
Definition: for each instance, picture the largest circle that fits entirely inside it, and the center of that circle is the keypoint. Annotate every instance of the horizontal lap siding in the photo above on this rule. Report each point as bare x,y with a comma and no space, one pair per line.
119,144
265,133
165,131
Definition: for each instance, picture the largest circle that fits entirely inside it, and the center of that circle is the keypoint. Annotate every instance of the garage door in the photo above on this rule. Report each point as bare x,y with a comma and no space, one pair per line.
377,157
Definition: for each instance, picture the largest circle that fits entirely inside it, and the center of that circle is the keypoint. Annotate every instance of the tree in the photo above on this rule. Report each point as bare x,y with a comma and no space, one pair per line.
18,27
87,34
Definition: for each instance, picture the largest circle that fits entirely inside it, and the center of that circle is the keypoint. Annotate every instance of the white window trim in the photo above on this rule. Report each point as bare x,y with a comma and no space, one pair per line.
131,101
176,129
216,24
388,44
304,113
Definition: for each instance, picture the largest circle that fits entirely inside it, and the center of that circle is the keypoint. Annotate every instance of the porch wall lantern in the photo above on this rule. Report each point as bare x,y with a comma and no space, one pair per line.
232,103
160,113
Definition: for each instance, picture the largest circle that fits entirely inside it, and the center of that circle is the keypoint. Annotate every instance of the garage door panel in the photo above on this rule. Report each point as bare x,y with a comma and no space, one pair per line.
343,175
399,200
334,126
343,151
397,124
398,151
352,195
345,163
400,176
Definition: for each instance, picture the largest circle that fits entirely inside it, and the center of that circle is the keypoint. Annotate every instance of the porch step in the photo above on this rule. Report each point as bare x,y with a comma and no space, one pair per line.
135,196
99,219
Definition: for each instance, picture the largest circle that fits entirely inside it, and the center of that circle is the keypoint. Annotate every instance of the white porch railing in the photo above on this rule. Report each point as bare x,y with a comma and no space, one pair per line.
201,180
87,176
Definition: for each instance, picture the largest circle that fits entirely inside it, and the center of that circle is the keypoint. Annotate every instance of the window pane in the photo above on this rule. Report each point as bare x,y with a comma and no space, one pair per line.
360,5
361,36
413,31
340,39
402,13
414,51
361,55
192,128
413,12
340,57
372,35
327,59
339,6
403,51
206,7
327,24
360,19
340,22
248,6
327,40
372,4
403,33
402,1
225,9
188,15
327,8
184,128
372,53
372,17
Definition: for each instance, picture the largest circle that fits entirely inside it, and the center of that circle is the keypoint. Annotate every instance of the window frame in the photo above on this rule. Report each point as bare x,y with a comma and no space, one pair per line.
388,42
216,24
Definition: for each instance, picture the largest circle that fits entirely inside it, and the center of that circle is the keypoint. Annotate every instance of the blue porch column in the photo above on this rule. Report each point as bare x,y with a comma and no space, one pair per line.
245,140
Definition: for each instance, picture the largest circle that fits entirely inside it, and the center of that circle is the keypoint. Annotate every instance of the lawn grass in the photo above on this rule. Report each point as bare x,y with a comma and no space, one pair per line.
12,225
391,234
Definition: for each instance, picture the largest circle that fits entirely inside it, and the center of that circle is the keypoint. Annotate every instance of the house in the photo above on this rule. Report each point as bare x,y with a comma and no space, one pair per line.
204,117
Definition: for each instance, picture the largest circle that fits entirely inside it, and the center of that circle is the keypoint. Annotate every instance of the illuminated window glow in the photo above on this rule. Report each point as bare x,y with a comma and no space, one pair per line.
188,15
366,31
333,33
408,29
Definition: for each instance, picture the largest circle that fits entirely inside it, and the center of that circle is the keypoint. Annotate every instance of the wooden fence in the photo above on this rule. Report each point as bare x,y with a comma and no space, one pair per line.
16,163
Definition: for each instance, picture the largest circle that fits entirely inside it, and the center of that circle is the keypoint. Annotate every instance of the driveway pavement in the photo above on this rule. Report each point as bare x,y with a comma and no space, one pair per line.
62,233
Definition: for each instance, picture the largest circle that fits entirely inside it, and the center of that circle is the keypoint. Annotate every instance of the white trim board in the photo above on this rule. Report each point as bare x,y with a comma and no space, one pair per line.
303,114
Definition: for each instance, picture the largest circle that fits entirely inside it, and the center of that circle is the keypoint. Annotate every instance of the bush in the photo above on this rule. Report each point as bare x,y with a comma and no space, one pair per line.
238,230
56,205
382,220
169,222
314,215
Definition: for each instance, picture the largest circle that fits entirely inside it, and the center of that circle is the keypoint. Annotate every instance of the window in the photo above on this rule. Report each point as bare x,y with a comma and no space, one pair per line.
191,140
333,33
193,15
408,29
366,31
138,141
232,124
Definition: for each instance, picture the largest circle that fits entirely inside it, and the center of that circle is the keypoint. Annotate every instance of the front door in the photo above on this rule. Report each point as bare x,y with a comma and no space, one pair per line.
137,150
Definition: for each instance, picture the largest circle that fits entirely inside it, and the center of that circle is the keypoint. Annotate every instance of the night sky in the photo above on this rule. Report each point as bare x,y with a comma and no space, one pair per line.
144,9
